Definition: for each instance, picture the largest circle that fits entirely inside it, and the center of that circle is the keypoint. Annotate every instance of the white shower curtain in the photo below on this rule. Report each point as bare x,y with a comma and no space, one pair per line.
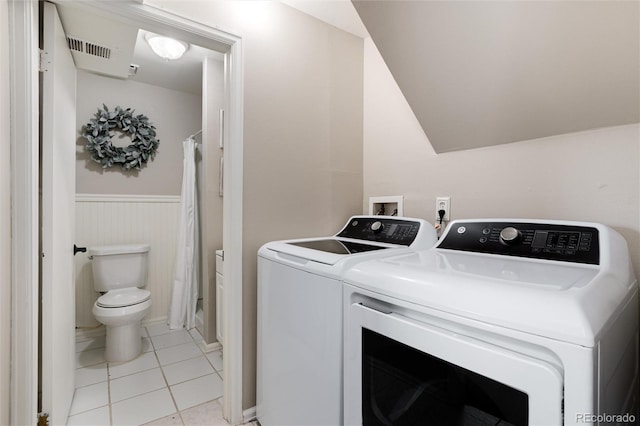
184,293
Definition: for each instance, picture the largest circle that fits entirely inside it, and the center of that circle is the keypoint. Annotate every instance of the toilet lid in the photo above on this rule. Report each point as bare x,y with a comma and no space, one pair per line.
123,297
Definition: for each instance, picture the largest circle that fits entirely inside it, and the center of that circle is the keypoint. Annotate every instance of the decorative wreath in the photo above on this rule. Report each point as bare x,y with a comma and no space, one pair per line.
99,131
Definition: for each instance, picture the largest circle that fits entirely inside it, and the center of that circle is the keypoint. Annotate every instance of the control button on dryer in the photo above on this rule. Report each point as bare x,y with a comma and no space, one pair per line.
377,227
510,235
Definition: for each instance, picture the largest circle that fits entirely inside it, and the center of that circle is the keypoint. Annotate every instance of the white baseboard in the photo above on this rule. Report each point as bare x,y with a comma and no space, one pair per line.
210,347
156,320
84,333
249,414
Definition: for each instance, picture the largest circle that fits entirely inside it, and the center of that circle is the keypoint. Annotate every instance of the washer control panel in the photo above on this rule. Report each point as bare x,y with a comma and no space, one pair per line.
381,230
566,243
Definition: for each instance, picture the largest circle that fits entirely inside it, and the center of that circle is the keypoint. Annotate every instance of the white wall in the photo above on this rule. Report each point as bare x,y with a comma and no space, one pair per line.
176,115
5,218
587,176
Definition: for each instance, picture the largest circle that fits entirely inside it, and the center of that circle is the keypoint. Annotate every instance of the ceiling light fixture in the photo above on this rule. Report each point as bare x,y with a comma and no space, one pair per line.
165,47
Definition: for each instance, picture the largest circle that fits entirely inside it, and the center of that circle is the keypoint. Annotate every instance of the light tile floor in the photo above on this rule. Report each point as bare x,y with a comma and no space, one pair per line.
173,382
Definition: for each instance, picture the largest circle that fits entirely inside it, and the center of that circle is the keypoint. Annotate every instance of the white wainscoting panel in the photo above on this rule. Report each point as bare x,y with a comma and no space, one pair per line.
125,219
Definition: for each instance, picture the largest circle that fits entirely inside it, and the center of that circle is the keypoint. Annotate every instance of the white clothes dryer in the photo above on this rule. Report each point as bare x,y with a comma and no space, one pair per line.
504,321
299,363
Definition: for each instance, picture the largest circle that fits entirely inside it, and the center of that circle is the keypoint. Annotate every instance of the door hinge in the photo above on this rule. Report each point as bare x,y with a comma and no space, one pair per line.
43,419
43,66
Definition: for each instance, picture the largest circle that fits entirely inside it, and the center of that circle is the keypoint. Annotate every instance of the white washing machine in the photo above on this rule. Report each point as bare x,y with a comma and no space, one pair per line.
510,322
299,363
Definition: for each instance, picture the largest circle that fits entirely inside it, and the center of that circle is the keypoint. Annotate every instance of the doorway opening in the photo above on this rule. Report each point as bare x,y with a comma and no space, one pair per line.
182,99
25,134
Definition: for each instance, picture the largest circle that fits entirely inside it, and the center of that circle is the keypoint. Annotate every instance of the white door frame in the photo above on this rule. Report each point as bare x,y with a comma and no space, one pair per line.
23,18
23,15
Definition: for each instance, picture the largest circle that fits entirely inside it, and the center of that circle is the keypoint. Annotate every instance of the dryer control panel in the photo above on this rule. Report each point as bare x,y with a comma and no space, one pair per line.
381,229
566,243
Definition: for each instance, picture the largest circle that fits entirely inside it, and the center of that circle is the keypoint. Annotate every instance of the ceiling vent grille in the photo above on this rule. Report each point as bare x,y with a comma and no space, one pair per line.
75,44
96,50
89,48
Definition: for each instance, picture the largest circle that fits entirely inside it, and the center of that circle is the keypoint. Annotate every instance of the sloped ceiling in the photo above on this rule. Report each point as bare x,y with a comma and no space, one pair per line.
480,73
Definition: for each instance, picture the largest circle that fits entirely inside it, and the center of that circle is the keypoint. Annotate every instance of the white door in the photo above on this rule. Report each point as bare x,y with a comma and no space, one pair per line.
59,134
539,380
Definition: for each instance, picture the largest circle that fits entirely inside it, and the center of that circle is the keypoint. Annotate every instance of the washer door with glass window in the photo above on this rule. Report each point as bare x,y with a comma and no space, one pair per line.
405,372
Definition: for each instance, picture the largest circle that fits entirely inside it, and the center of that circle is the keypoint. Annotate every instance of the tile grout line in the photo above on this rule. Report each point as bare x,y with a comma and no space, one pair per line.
164,377
207,358
109,388
205,355
146,334
109,394
108,405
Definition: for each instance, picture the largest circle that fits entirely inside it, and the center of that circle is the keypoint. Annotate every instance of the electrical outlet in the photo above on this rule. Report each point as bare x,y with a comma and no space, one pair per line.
443,203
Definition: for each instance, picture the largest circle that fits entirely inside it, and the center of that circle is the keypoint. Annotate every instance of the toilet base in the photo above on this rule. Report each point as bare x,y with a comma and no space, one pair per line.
123,342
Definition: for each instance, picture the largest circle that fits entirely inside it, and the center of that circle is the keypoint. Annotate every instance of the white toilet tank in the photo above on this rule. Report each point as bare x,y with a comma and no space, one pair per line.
119,266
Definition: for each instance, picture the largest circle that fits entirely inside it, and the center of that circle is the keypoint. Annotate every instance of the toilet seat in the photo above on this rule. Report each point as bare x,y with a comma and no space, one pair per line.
123,297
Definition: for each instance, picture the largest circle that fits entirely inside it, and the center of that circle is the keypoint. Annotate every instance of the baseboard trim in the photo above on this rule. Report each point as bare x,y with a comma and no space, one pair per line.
210,347
153,321
249,414
85,333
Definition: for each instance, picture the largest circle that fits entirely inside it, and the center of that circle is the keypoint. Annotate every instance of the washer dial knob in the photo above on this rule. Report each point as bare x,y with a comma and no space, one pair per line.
377,227
510,235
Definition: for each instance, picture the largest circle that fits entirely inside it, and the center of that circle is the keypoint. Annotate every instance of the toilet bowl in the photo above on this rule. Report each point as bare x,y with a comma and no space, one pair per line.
118,274
123,340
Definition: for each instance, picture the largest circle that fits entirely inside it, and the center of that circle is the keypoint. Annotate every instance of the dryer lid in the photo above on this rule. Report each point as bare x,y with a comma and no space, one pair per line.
123,297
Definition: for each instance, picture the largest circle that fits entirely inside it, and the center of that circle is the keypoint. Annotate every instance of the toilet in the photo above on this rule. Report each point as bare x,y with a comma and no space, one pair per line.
119,273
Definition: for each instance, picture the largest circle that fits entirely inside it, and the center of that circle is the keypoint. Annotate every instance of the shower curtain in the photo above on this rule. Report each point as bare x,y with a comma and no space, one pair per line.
184,293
